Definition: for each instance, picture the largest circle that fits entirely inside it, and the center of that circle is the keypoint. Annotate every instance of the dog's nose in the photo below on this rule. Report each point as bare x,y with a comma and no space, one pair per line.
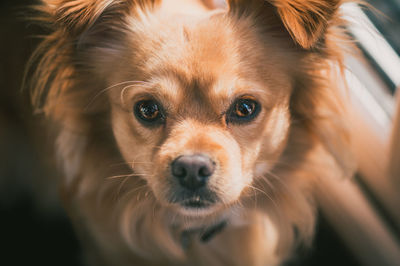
192,171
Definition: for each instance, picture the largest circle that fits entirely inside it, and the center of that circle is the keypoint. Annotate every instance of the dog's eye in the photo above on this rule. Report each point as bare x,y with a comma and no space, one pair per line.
149,111
243,110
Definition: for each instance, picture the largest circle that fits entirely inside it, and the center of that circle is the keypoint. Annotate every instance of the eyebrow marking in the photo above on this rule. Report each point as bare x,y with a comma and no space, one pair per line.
185,33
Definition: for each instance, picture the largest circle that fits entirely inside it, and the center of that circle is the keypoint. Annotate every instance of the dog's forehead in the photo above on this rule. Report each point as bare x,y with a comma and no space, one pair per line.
198,53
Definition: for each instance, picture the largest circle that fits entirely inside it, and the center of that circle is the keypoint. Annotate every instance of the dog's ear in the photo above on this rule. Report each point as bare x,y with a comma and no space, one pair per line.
74,27
305,20
78,15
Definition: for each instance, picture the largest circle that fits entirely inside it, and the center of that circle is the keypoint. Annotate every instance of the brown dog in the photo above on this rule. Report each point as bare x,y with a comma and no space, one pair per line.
189,134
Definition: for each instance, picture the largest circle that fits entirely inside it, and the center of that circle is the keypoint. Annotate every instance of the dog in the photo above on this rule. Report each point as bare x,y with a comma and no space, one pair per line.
192,132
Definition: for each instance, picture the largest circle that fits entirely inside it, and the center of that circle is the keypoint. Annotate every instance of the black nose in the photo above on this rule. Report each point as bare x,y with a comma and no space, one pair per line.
192,171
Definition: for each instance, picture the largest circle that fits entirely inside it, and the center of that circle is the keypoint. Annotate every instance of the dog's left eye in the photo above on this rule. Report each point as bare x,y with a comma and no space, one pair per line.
149,112
243,110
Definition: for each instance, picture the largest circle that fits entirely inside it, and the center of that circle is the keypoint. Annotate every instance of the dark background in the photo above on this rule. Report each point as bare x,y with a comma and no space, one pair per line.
34,229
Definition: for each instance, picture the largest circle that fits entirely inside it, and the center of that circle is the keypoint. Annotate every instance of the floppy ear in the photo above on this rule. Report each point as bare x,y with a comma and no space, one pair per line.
78,15
74,27
305,20
75,15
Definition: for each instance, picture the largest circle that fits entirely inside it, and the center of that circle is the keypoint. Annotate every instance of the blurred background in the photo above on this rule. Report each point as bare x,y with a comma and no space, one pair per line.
359,220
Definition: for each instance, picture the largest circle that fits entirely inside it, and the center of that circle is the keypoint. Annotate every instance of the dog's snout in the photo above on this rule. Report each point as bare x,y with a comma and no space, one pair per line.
192,171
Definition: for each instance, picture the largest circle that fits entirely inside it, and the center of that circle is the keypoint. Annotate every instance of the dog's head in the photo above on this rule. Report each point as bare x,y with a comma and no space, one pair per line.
201,109
201,102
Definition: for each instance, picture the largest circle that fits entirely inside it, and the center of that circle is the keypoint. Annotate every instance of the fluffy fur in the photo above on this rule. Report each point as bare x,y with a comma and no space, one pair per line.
102,56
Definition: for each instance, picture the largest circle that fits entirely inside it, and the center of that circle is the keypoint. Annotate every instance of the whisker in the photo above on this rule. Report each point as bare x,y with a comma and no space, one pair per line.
133,174
130,163
118,164
121,185
278,162
118,176
111,87
127,175
277,178
128,194
266,194
130,86
267,181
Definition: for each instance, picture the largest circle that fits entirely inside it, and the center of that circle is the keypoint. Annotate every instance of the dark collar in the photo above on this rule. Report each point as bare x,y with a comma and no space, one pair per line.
204,234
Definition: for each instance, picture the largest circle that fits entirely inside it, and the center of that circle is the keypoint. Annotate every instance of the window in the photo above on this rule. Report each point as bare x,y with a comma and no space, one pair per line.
365,211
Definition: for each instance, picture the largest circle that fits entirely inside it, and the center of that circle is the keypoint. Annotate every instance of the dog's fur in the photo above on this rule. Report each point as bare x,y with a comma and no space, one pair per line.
102,56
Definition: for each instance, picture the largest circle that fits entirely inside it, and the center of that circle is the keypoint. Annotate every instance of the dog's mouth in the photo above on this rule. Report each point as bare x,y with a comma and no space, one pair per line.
201,198
196,203
197,207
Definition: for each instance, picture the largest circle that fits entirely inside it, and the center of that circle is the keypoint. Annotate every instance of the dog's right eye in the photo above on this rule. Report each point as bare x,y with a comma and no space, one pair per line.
149,112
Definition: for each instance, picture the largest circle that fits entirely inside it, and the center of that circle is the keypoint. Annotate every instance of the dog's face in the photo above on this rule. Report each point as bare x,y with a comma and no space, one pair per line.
204,109
201,103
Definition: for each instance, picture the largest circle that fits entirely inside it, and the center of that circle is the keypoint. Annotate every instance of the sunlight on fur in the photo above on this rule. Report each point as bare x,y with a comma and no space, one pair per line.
193,132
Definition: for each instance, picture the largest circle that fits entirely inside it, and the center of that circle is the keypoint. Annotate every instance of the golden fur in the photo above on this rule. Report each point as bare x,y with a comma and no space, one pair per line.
102,56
